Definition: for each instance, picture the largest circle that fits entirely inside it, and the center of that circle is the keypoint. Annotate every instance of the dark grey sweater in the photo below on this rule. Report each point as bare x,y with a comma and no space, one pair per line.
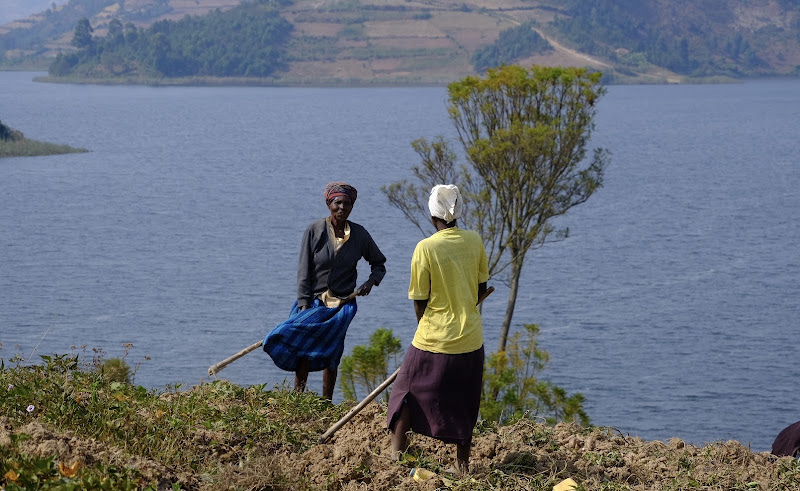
319,269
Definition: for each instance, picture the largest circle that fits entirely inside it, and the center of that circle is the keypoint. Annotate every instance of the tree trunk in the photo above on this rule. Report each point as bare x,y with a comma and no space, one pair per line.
516,272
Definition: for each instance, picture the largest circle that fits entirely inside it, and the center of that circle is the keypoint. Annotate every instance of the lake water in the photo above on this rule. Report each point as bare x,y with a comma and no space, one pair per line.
673,306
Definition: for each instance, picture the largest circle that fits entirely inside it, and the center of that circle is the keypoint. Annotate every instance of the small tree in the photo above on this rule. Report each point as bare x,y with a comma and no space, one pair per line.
5,132
512,388
82,38
131,33
116,33
524,134
368,366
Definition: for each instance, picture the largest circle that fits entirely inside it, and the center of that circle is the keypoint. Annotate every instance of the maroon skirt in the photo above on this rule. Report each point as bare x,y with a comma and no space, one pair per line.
443,393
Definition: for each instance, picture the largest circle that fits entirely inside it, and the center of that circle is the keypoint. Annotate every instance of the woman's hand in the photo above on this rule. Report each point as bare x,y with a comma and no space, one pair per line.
365,288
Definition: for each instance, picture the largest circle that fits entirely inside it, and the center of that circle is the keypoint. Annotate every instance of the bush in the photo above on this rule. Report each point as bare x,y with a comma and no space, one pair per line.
115,370
5,132
512,389
368,366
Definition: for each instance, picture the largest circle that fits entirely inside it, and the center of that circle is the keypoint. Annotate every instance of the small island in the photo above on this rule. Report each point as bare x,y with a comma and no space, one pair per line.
14,144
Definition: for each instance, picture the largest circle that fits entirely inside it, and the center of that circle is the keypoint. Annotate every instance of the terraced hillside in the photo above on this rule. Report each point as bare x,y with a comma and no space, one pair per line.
435,41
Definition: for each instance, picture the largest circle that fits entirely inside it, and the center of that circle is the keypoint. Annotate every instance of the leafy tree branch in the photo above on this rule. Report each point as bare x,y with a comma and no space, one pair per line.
524,134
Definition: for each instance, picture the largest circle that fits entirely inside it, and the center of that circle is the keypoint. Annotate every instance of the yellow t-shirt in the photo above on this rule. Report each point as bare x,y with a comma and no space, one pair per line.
446,269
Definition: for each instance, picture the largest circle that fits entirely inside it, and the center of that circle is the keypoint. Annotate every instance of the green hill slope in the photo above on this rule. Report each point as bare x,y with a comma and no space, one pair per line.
64,426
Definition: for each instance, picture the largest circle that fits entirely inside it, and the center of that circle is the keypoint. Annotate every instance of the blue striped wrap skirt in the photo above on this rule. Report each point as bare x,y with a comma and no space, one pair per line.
316,334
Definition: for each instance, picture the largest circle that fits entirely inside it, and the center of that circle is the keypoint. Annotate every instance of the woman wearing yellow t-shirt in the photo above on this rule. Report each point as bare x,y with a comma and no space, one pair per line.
438,389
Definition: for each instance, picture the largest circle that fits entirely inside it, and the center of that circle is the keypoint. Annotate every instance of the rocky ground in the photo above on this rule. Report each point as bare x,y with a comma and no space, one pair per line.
526,455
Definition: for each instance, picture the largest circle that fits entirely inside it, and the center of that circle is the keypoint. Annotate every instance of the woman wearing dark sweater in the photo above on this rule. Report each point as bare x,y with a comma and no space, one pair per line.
312,339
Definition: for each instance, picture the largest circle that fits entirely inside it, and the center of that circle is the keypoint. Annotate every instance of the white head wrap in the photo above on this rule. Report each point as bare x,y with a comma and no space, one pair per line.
446,202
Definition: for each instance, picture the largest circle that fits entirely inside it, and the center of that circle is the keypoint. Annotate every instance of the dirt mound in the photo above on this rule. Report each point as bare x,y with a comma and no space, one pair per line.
526,455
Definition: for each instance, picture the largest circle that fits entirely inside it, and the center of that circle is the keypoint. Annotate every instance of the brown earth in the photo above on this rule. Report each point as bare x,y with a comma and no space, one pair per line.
526,454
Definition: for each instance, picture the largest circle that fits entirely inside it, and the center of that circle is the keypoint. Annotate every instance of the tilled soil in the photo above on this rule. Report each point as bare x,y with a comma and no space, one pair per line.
526,455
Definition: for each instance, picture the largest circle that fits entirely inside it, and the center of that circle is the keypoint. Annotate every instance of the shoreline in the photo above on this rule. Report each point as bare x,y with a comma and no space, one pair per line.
402,82
342,83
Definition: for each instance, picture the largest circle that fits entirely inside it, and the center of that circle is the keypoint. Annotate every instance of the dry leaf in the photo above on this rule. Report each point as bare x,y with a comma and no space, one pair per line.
69,470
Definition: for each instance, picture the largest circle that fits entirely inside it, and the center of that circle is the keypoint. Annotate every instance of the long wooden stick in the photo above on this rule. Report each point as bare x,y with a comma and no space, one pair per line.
214,369
357,409
372,395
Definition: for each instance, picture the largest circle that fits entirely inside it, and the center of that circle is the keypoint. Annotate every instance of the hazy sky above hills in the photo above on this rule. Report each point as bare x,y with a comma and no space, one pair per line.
11,10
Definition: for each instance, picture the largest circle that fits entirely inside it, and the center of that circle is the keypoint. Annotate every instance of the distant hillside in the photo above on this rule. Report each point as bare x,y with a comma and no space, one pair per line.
436,41
17,9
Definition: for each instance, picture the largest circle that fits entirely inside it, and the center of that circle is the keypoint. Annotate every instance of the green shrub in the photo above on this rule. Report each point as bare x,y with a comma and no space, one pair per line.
512,389
5,132
116,370
368,366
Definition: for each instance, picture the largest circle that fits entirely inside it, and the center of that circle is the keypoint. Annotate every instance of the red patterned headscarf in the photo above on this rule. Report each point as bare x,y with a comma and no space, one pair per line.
334,189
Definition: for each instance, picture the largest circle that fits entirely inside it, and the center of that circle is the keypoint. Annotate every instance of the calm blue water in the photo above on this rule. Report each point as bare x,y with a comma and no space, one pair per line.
673,306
